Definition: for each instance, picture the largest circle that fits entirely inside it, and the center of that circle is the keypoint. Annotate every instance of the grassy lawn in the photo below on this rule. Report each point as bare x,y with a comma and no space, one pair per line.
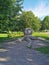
10,36
41,34
44,50
4,37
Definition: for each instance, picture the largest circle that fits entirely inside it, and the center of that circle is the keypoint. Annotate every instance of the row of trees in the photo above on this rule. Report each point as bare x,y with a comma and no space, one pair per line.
14,19
28,19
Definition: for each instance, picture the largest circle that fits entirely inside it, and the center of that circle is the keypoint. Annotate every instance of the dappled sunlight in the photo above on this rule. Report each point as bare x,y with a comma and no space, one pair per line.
29,59
41,44
19,40
10,47
4,59
4,50
1,64
11,43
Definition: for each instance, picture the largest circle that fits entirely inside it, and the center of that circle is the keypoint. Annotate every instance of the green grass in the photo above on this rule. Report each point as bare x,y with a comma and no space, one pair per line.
41,34
37,34
44,50
44,35
3,35
2,45
10,36
13,34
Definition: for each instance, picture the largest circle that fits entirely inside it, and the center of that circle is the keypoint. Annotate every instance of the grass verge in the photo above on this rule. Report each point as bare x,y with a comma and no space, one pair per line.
44,50
41,34
6,39
10,36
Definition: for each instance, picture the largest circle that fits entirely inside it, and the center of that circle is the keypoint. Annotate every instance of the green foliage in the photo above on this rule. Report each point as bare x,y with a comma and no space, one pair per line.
45,23
36,24
28,19
8,10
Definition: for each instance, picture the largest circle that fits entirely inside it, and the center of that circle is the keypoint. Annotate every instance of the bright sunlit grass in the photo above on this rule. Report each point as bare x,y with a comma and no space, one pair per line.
6,36
41,34
3,35
10,36
14,34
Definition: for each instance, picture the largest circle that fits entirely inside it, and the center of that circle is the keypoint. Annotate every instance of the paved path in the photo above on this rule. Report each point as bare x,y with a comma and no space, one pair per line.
16,53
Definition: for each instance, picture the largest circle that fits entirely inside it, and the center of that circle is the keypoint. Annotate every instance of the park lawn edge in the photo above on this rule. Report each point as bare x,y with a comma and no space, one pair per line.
44,49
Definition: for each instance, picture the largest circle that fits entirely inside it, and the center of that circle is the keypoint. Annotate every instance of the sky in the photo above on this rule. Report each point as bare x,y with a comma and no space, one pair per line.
39,7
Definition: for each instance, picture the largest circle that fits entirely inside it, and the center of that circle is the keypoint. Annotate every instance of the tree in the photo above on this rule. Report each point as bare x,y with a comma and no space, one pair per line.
28,20
45,23
17,13
8,10
6,7
36,24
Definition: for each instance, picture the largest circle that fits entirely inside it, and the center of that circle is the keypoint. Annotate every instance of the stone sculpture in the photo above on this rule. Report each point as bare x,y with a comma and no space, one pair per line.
27,36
